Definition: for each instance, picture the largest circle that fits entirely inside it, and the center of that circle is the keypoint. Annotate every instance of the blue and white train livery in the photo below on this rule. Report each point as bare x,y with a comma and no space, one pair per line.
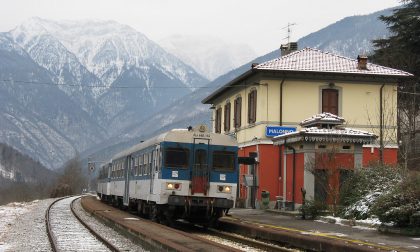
190,174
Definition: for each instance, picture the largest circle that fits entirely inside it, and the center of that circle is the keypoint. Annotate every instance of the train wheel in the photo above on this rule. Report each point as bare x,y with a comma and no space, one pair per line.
154,213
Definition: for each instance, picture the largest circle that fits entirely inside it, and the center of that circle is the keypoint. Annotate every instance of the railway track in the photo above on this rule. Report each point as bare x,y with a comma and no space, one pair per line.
229,239
67,231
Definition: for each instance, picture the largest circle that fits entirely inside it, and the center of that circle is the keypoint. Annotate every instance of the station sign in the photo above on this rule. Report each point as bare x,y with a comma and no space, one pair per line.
272,131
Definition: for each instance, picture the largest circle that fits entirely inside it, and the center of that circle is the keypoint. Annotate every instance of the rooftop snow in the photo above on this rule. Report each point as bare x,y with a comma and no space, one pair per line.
324,118
314,60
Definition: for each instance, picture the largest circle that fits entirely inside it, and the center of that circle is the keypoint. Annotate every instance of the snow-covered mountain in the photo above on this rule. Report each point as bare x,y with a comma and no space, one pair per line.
209,56
39,120
75,83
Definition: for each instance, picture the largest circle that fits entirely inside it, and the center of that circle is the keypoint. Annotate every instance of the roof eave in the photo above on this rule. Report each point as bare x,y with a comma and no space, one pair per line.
353,76
215,94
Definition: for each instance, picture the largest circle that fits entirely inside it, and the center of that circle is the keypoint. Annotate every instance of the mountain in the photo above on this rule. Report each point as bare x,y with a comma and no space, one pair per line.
16,167
209,56
349,36
66,86
127,70
39,120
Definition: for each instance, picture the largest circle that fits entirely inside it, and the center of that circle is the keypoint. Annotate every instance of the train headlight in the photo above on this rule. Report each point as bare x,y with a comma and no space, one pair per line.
173,186
224,189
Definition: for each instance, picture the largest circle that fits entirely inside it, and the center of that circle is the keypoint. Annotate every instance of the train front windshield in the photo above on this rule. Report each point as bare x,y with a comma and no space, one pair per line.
176,157
223,161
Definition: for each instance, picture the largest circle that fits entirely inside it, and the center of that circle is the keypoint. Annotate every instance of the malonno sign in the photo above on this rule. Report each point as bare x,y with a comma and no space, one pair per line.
272,131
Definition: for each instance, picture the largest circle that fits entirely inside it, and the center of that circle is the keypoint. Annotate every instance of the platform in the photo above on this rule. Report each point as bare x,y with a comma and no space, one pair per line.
369,237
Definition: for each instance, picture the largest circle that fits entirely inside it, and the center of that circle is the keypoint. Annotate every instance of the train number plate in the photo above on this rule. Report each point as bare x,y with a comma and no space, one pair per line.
222,177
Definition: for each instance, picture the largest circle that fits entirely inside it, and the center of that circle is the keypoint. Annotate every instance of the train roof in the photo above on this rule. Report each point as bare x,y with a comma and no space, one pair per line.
181,136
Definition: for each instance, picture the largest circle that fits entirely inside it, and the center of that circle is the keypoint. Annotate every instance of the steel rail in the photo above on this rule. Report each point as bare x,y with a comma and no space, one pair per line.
93,232
248,241
53,240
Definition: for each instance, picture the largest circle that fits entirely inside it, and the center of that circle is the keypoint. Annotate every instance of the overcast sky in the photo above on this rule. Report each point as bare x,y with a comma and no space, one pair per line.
257,23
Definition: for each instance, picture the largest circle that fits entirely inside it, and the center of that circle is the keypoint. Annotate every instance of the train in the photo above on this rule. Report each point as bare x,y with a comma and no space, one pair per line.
190,174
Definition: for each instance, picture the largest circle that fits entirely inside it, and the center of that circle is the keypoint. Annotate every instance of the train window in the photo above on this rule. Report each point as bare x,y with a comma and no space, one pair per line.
176,157
145,162
224,160
140,165
150,163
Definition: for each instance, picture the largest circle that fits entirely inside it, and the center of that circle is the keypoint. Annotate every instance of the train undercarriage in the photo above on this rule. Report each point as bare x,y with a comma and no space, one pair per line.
199,210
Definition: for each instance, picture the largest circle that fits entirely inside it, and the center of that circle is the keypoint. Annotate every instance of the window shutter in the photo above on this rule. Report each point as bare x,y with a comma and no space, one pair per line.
330,101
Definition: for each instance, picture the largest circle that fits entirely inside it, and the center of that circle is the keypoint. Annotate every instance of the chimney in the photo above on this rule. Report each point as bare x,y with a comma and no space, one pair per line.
362,62
288,48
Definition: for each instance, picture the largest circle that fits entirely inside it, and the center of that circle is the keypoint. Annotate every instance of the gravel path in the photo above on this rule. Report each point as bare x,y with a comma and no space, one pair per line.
22,228
25,229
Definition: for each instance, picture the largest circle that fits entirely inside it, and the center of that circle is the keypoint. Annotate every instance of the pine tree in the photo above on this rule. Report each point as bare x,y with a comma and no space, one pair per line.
401,50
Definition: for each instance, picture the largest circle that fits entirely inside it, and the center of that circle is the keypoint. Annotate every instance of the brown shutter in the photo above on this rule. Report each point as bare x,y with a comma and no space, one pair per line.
330,101
237,112
254,116
227,117
252,106
218,123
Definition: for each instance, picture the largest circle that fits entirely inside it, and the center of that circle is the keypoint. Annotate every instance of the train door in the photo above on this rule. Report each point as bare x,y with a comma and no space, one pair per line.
200,170
127,171
154,169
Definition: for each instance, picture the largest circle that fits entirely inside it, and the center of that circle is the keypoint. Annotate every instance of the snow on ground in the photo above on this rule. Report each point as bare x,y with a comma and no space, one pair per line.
22,226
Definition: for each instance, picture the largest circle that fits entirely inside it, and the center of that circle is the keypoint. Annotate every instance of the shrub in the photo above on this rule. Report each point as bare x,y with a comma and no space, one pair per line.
312,209
362,189
400,205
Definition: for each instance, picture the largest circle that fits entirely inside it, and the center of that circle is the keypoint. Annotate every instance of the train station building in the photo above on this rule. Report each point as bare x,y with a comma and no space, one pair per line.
273,98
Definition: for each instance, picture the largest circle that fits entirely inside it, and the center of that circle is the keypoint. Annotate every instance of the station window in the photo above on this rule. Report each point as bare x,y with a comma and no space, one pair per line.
252,106
237,110
176,157
227,117
224,160
218,122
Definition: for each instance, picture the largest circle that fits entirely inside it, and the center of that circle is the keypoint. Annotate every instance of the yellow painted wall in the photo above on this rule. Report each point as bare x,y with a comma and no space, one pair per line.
358,104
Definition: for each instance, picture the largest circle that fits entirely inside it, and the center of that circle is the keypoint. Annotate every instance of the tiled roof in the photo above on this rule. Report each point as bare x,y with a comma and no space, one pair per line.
314,60
315,134
324,118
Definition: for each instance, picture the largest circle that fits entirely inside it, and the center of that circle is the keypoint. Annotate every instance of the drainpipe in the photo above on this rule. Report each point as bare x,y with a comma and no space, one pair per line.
293,177
280,175
281,100
293,174
381,126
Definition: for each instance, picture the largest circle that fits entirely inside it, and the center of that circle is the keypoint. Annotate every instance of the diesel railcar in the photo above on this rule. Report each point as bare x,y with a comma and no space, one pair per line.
189,174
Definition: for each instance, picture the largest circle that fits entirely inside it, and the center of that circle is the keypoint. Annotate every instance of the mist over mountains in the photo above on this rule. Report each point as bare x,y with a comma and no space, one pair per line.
99,86
209,56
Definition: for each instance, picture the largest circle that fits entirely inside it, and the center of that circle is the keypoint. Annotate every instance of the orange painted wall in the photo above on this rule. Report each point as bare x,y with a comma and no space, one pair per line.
390,156
299,170
268,169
